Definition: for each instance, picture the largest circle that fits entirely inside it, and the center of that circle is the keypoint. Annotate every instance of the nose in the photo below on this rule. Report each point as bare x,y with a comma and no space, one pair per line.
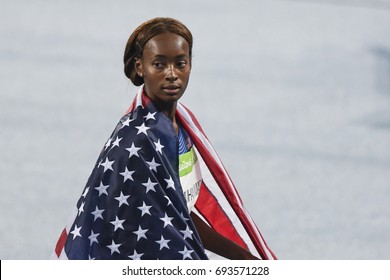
171,73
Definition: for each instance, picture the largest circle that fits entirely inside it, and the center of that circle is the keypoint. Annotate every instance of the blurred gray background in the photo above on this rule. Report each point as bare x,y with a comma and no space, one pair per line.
294,95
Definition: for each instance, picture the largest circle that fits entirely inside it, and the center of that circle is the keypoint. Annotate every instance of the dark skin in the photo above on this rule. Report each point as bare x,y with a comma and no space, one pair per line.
165,66
218,244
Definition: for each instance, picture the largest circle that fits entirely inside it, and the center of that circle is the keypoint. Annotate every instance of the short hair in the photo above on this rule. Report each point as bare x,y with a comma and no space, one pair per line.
142,34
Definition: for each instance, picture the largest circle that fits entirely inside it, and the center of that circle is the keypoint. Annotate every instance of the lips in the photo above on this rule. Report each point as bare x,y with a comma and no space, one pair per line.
171,89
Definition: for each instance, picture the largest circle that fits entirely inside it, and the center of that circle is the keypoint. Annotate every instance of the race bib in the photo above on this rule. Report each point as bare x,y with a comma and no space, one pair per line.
190,177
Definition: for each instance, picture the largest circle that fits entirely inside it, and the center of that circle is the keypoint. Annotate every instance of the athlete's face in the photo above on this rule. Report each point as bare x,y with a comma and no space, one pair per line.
165,66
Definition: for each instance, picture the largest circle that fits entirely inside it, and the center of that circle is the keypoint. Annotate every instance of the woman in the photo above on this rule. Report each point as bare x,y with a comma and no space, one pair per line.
158,190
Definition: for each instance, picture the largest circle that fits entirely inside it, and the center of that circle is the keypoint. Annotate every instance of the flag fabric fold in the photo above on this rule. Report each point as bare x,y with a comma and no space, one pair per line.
133,205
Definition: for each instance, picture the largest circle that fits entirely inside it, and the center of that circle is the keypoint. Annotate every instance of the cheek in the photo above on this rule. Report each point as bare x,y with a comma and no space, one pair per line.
186,77
185,74
149,71
152,76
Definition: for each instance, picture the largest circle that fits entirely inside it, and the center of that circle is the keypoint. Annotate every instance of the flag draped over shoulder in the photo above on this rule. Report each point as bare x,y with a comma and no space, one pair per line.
133,205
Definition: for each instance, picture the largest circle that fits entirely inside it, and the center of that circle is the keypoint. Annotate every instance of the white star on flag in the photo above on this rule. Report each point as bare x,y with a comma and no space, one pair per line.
144,209
76,231
127,175
153,165
140,233
150,116
122,199
167,220
185,219
107,165
186,253
108,144
163,243
97,213
187,233
133,150
116,142
117,223
81,209
85,192
167,198
93,237
170,183
149,186
159,147
102,189
135,256
126,122
114,247
142,129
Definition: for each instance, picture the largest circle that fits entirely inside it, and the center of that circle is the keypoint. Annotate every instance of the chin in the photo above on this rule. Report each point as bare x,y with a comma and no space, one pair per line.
172,97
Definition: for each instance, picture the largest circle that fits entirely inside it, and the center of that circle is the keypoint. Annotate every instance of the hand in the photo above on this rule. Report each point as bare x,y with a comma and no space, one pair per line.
219,244
248,256
238,253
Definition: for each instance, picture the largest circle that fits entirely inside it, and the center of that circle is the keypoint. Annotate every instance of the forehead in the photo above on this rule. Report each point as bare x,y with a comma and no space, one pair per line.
166,44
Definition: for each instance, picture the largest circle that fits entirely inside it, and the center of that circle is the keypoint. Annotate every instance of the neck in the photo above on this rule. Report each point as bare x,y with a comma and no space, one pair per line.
170,112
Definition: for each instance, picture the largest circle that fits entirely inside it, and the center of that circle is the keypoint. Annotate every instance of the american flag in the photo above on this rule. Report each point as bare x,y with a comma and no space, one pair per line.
133,205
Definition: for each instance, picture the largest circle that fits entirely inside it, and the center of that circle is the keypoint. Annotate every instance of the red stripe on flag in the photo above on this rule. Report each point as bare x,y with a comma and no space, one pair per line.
61,243
223,182
209,208
131,108
194,120
144,99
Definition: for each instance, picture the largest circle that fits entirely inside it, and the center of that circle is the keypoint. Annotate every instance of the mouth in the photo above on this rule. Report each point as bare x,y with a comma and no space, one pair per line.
171,89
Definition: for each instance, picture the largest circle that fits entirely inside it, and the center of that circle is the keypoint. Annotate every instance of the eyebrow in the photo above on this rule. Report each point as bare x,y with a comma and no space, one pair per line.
176,57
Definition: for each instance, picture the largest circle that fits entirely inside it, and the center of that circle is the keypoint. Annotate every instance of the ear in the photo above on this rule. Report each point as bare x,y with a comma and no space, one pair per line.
138,67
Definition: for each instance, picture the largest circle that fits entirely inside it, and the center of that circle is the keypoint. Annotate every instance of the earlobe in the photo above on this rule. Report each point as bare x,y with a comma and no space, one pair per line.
138,67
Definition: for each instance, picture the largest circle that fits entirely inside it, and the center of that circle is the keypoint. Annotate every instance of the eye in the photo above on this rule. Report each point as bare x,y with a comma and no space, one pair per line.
158,65
182,63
